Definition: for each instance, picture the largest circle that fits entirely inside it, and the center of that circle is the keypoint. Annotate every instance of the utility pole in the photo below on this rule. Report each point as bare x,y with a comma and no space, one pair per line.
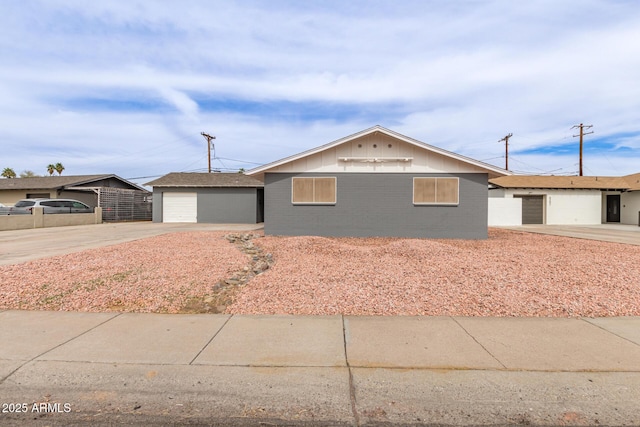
208,138
506,150
581,135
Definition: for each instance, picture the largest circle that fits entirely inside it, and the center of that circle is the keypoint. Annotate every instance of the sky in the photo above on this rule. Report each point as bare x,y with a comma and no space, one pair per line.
128,86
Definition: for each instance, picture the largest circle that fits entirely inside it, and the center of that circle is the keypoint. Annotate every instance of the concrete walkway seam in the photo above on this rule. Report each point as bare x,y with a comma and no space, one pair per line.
479,343
352,389
211,340
2,380
591,322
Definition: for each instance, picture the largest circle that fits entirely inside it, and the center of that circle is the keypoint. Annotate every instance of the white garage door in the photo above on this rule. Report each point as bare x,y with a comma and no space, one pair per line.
179,207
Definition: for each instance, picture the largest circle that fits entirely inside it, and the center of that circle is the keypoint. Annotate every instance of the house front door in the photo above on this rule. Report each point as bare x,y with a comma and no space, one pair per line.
613,208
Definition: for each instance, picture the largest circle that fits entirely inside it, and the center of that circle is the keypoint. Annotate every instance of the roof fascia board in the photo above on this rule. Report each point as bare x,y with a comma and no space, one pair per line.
538,187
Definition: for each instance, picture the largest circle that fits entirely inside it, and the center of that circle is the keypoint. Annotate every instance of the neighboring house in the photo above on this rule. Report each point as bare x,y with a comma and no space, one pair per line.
572,199
119,199
377,183
207,198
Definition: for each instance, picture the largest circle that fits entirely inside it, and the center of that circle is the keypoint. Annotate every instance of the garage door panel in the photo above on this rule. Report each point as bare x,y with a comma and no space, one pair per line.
532,209
179,207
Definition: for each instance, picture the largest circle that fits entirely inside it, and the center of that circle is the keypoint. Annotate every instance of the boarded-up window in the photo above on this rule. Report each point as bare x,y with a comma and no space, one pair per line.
302,190
435,191
313,190
424,190
447,190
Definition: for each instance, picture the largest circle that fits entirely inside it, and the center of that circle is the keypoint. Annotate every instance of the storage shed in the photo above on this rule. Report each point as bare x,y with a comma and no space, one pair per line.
208,198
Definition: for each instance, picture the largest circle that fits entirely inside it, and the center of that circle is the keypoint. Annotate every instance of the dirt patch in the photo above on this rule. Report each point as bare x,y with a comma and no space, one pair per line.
509,274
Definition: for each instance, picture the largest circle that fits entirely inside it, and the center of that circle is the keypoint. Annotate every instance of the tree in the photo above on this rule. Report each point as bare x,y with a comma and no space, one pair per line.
59,168
51,169
28,174
241,170
8,173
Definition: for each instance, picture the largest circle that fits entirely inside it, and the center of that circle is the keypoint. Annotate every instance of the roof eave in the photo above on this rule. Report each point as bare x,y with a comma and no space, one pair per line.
207,186
538,187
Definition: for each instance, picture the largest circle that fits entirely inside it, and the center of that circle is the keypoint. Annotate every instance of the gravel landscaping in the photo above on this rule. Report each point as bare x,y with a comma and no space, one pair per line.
509,274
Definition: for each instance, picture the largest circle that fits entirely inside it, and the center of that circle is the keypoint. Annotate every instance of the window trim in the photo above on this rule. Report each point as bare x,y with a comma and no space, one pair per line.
436,203
335,190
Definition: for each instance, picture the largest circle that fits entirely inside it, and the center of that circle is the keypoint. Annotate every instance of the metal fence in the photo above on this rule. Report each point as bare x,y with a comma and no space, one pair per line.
119,204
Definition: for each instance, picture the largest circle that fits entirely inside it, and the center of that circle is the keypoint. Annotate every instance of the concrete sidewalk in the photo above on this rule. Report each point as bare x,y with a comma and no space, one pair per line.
69,368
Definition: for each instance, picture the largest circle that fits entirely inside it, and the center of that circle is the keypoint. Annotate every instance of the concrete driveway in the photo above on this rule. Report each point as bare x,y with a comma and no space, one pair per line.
18,246
617,233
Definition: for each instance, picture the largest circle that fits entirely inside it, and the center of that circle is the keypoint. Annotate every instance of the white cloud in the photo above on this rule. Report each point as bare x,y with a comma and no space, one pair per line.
89,79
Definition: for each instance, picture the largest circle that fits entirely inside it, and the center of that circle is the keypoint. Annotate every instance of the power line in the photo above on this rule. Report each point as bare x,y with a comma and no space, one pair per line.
492,158
144,177
192,163
241,161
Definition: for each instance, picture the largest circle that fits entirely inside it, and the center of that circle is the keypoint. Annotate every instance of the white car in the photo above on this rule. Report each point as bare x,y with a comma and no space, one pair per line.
51,206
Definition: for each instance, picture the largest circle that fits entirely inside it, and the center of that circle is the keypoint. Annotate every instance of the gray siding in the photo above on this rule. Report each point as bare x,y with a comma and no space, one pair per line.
227,205
376,204
156,206
215,205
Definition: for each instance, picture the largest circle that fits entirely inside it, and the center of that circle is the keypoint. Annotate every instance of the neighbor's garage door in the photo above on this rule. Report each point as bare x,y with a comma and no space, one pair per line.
532,209
179,207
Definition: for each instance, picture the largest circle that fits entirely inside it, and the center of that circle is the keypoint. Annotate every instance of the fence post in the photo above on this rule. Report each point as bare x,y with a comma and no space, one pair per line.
38,217
98,215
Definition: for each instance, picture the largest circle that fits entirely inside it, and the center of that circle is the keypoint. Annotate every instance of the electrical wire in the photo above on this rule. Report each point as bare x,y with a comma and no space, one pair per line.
241,161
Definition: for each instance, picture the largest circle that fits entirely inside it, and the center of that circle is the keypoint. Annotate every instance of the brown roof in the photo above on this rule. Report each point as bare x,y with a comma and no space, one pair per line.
52,182
569,182
633,181
190,179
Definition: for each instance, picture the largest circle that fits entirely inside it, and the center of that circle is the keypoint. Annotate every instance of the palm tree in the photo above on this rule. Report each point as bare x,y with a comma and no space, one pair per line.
51,169
59,168
8,173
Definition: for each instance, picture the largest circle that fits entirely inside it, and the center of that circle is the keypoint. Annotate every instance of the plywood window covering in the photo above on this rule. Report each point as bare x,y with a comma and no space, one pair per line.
313,190
435,191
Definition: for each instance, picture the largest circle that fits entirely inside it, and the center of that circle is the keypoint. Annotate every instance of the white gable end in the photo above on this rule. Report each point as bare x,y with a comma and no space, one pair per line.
377,152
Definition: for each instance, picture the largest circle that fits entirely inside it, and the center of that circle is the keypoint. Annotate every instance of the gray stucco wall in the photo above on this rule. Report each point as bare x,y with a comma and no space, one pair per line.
156,206
375,204
227,205
215,205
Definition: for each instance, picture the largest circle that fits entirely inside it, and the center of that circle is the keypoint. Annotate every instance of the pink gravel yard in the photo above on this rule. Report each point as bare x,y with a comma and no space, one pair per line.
509,274
157,274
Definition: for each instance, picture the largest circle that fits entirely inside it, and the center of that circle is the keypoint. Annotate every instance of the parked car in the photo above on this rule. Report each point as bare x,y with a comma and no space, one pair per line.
50,206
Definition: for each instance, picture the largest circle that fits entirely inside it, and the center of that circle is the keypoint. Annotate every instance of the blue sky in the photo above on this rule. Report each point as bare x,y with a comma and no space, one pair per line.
127,86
